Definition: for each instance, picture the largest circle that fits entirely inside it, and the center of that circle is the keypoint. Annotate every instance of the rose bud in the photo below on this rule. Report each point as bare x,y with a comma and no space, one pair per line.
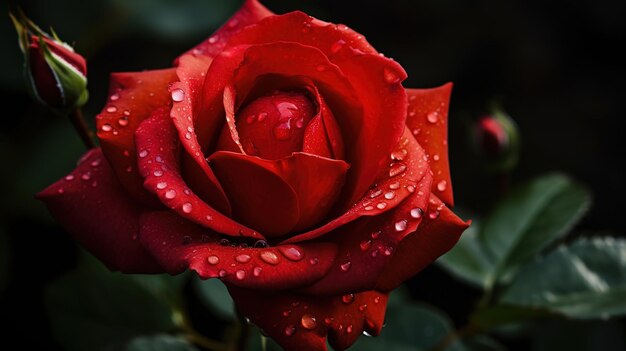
496,139
56,75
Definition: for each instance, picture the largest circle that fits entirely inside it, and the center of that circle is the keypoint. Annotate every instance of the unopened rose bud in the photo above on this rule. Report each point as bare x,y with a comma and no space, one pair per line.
56,75
496,139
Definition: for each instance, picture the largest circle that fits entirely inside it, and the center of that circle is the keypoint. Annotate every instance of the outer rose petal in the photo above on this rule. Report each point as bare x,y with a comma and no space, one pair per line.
437,234
272,268
376,81
302,322
428,120
133,97
251,12
92,206
186,96
254,183
158,150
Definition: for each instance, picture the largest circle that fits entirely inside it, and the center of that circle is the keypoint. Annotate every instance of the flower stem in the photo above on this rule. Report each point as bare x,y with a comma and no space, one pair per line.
86,134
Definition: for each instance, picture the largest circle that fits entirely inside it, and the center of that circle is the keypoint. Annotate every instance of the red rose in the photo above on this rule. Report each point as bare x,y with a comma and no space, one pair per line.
282,156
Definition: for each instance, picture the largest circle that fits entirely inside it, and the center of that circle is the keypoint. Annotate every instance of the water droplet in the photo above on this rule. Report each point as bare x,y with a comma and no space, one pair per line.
291,252
259,244
290,330
388,251
300,123
111,109
115,97
257,271
436,157
224,242
251,119
369,208
123,121
441,186
143,153
213,260
394,185
308,322
346,266
390,195
69,177
106,127
188,136
377,299
178,95
432,117
222,273
233,23
243,258
337,46
270,257
417,212
213,39
158,173
365,333
375,193
262,116
240,274
349,329
376,234
286,313
86,176
410,188
401,225
314,260
161,185
381,205
397,169
391,77
347,299
170,194
433,215
362,307
365,244
187,207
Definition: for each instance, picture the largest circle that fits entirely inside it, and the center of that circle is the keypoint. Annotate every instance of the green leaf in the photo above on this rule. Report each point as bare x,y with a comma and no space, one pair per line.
94,309
467,260
584,280
529,219
490,317
410,327
215,296
160,342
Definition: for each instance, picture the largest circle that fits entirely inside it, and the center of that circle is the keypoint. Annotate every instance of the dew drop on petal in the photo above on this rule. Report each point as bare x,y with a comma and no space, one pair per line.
377,299
213,260
290,330
441,186
115,97
346,266
187,207
390,195
143,153
240,274
257,271
347,299
314,260
369,208
178,95
376,234
270,257
365,244
417,212
432,117
106,127
349,329
158,173
293,253
433,215
161,185
111,109
308,322
259,244
381,205
123,121
337,46
394,186
170,194
401,225
69,177
375,193
391,77
397,169
262,116
243,258
222,273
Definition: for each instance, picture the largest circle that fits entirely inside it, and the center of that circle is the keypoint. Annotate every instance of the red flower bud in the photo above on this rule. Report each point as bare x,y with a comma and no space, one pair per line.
491,137
496,139
55,74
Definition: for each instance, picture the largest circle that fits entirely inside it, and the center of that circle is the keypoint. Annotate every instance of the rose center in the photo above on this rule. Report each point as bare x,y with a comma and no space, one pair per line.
273,126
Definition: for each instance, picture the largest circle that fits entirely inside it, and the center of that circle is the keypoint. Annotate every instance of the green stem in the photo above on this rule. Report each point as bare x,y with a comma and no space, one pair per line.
86,134
244,333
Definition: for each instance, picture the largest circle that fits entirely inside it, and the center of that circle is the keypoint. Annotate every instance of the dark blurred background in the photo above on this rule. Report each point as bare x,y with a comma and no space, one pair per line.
556,67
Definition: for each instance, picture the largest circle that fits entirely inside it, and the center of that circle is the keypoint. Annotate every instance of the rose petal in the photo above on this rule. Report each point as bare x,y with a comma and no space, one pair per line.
179,244
437,234
251,12
322,135
133,97
158,150
428,120
376,81
93,207
185,95
252,183
295,320
396,182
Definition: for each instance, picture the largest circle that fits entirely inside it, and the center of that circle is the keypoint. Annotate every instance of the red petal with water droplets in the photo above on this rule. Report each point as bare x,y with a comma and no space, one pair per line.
133,97
322,135
185,95
428,120
299,322
367,245
397,181
158,150
376,81
93,207
437,234
251,12
179,244
301,189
